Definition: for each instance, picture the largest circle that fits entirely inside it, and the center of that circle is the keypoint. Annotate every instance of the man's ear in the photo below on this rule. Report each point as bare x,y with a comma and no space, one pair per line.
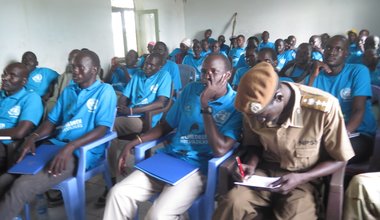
228,75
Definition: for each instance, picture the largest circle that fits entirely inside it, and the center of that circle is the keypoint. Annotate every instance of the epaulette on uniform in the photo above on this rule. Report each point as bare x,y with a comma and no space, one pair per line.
317,102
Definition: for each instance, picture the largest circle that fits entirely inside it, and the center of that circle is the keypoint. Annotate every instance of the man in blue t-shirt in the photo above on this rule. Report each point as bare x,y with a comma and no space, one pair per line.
351,84
236,52
316,42
195,60
250,57
120,75
21,112
283,57
206,124
169,66
84,112
265,41
41,80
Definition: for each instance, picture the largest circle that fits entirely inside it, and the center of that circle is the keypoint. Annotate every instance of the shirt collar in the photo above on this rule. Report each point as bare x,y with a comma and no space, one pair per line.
226,97
93,86
295,119
16,96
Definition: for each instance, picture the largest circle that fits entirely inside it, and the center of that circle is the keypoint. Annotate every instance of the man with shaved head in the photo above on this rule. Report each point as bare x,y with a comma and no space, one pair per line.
84,113
21,111
351,84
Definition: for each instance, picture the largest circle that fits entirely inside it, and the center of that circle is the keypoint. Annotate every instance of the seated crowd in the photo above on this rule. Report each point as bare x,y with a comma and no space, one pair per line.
298,113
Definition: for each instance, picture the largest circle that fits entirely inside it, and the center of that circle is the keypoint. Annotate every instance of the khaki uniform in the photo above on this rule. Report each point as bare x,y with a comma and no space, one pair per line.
362,197
316,127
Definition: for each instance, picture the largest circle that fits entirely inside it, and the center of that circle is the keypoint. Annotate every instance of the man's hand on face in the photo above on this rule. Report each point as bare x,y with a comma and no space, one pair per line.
213,87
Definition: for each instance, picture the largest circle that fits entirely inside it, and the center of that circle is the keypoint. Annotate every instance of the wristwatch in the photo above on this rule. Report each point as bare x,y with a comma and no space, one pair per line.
206,110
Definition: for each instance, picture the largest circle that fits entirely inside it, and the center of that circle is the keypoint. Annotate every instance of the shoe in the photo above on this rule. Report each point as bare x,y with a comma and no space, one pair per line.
54,198
101,202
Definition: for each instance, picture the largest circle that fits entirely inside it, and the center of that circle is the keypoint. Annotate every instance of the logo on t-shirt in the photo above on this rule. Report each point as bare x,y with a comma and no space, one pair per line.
14,112
345,93
2,125
154,88
92,104
221,117
37,78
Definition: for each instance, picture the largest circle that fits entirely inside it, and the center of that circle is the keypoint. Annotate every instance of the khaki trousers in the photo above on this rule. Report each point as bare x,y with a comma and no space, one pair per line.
362,197
172,202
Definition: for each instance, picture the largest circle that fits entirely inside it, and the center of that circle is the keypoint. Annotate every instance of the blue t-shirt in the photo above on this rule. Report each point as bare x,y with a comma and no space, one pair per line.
225,48
316,55
118,79
375,77
205,53
143,91
173,70
235,54
190,140
196,63
355,57
21,106
80,111
241,62
239,74
283,59
266,45
353,80
173,53
40,79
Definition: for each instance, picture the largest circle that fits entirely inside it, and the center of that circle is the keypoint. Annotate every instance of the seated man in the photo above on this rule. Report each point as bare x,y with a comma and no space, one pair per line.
184,46
148,90
361,199
63,80
251,59
21,111
280,142
283,57
168,65
265,41
205,48
207,125
120,75
237,51
41,80
316,42
351,85
223,47
301,67
84,112
195,60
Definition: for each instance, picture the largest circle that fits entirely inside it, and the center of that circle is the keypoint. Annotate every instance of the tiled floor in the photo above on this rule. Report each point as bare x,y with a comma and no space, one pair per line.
94,189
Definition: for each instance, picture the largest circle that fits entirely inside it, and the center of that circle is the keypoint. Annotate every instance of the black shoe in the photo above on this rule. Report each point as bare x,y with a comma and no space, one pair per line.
101,202
54,198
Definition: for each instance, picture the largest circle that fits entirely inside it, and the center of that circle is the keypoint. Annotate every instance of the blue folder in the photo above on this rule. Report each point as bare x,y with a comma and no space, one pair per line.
167,168
33,164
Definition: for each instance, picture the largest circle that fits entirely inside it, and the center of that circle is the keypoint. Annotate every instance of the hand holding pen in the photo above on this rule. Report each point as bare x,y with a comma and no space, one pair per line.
244,171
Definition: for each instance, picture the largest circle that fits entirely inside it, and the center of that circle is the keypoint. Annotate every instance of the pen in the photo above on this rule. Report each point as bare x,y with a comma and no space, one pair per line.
241,170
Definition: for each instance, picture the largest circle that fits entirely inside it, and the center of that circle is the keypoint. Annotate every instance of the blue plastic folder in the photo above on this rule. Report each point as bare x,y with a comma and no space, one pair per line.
33,164
166,168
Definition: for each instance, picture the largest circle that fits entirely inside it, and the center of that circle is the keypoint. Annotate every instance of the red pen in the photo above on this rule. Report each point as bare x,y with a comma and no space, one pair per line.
241,170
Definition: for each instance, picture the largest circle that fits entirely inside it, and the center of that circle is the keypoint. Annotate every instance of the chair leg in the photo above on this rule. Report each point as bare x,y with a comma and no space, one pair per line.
72,199
27,211
107,176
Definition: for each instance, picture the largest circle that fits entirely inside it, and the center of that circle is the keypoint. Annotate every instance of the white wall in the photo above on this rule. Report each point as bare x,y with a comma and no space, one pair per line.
281,18
170,17
52,28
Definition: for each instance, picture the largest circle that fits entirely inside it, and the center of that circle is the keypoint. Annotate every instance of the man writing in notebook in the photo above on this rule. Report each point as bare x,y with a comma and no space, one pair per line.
291,131
21,111
83,113
207,125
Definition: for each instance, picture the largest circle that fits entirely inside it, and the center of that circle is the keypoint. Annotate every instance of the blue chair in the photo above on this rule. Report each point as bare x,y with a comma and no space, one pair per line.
73,188
203,207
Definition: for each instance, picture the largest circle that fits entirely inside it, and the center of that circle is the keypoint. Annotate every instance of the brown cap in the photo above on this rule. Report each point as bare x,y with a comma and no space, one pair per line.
256,88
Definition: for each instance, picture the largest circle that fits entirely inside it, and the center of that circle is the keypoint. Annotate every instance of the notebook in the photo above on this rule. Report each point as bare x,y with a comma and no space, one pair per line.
33,164
167,168
259,182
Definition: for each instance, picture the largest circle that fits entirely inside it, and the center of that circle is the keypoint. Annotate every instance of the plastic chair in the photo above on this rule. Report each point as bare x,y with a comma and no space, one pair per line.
73,188
203,207
187,73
